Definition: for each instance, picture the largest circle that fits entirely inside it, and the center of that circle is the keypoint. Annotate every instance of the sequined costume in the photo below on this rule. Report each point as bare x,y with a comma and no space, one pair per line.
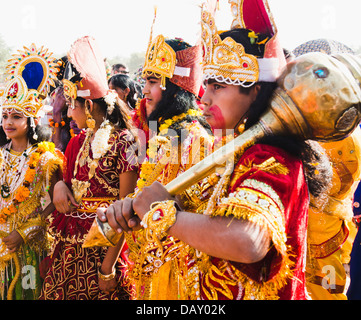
152,277
74,270
267,187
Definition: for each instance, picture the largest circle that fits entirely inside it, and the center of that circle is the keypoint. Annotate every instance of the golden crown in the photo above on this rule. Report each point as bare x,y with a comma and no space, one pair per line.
225,60
160,60
30,73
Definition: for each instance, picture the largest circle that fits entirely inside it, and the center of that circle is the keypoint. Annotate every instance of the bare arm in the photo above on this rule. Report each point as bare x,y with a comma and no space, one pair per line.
236,240
222,237
127,184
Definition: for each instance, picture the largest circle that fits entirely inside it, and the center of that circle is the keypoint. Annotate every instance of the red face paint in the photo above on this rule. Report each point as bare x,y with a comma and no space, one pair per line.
214,117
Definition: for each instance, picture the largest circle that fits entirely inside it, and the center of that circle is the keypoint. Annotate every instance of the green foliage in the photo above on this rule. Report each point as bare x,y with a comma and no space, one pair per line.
5,53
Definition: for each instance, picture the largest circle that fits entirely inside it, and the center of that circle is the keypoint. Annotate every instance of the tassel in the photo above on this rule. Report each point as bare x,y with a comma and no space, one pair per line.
32,125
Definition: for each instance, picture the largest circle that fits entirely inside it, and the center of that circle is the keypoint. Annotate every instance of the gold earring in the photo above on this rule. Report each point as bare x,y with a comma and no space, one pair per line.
242,126
90,122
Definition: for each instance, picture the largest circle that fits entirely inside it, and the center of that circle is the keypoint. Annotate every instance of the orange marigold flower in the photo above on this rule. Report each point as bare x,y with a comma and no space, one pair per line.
12,209
42,147
34,158
6,211
30,175
46,146
22,194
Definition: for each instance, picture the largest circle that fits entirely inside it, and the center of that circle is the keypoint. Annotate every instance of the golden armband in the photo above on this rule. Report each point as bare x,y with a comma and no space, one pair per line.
31,229
160,217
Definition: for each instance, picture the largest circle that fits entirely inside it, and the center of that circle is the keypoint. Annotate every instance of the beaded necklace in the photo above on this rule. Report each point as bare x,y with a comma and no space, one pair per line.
20,187
13,169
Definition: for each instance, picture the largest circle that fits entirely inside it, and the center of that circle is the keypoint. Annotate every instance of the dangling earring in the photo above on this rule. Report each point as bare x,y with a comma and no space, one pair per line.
33,126
90,122
242,126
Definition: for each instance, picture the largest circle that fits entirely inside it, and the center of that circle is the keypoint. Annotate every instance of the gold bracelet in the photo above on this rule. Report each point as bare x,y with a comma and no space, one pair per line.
106,277
160,217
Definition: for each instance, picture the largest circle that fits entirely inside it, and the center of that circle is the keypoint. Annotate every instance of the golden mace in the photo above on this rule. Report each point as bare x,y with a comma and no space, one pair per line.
318,98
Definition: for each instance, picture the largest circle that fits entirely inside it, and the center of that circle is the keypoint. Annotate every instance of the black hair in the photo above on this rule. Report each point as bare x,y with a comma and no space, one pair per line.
43,133
176,100
119,117
117,66
123,82
318,176
253,46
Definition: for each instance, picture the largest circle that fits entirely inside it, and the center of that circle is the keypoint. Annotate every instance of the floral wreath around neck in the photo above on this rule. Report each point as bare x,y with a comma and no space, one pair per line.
22,193
99,146
148,173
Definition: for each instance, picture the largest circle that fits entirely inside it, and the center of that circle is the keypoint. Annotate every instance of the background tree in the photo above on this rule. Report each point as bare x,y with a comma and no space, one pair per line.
5,53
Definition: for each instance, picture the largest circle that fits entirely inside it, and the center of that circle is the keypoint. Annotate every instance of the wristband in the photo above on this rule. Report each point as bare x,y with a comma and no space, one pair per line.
160,217
106,277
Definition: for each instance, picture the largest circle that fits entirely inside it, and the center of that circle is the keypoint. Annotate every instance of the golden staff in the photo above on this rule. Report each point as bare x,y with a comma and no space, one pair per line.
318,98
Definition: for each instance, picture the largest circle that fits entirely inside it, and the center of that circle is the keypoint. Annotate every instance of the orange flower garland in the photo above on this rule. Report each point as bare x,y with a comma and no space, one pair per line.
23,192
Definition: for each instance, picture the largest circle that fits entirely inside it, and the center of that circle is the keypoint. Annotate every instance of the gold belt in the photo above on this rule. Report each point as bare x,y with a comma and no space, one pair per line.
330,246
90,205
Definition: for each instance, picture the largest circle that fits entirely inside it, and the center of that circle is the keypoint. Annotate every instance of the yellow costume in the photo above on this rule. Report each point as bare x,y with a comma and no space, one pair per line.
330,230
155,272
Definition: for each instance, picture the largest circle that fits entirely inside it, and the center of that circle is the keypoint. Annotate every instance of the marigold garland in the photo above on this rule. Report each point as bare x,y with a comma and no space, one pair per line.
149,166
23,192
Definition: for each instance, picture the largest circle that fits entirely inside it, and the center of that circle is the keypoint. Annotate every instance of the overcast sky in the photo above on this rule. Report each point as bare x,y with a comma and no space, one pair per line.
122,26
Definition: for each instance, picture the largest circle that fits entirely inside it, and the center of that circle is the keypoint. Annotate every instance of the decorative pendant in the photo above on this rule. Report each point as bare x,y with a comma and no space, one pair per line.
79,189
93,165
5,191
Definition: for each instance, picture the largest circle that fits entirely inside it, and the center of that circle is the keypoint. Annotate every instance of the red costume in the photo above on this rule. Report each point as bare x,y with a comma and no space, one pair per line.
267,187
74,270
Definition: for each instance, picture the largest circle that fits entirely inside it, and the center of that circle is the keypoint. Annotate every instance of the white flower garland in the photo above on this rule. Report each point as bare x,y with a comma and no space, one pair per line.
100,144
110,98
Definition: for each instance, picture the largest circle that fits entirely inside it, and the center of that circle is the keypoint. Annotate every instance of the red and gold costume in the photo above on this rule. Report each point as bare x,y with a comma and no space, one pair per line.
267,187
95,161
74,270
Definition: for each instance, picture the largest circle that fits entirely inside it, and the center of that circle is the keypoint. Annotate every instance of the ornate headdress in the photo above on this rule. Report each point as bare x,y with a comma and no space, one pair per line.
183,67
85,74
30,73
227,60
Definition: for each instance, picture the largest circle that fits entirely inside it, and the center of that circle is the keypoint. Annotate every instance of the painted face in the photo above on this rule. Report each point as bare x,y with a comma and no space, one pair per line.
225,105
152,93
76,111
14,124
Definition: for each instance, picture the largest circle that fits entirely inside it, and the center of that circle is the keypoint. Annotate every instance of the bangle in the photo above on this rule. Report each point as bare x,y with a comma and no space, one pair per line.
106,277
160,217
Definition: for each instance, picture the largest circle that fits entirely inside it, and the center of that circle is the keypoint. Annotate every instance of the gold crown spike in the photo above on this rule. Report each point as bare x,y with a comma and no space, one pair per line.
70,89
30,73
225,60
236,10
17,96
160,60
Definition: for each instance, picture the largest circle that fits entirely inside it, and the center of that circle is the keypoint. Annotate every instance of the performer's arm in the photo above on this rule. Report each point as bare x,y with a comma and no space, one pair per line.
127,184
222,237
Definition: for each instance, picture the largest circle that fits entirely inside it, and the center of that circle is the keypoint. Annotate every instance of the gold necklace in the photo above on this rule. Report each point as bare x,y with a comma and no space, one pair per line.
10,162
80,187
